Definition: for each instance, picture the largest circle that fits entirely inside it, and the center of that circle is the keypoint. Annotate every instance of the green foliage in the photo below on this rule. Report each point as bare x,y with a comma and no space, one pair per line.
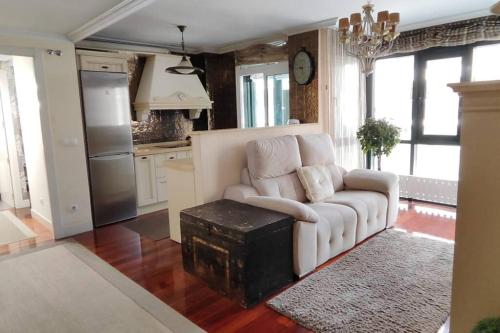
488,325
378,136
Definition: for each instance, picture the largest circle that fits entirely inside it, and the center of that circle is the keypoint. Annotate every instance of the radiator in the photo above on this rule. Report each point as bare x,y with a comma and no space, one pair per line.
428,189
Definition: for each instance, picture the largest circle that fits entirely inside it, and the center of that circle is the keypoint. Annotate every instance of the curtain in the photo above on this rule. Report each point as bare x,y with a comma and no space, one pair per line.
452,34
347,105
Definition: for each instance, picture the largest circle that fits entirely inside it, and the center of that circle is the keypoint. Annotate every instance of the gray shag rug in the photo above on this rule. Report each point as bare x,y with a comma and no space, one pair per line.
394,282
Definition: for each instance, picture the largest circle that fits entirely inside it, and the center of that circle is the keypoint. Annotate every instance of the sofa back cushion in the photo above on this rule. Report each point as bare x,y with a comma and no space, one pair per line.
317,149
272,163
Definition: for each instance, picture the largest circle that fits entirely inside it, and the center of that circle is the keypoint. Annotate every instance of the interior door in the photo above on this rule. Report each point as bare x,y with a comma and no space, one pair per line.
6,190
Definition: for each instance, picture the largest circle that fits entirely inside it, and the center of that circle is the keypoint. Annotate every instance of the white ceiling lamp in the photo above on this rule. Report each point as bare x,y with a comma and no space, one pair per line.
368,40
495,9
184,67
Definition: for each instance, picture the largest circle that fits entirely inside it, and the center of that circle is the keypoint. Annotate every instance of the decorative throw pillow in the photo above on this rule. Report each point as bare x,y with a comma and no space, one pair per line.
317,182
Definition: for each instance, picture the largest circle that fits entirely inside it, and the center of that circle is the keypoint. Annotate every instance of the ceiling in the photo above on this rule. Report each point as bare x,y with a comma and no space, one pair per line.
215,24
50,16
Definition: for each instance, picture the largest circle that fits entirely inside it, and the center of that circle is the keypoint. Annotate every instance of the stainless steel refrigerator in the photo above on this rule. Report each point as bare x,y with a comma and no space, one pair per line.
106,105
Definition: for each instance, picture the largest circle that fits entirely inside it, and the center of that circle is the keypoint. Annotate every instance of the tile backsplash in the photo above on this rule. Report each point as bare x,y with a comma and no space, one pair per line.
168,125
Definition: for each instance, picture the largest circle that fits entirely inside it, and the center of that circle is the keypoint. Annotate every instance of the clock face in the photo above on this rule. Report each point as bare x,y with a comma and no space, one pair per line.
303,68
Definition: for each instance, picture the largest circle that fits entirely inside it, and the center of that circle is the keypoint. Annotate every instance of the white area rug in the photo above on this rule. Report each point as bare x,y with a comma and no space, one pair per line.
394,282
12,229
66,288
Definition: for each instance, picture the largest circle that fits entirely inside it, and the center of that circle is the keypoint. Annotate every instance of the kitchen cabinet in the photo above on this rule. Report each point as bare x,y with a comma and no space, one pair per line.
151,175
145,175
102,61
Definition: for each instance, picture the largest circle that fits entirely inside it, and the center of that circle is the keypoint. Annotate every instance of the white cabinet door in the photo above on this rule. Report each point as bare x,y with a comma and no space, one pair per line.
161,175
161,189
103,64
182,154
160,159
145,175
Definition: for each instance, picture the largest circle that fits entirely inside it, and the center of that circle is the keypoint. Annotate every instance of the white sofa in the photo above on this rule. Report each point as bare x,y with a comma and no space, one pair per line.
365,201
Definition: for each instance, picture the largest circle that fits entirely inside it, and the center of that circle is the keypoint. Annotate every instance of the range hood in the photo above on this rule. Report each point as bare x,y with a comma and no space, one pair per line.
159,90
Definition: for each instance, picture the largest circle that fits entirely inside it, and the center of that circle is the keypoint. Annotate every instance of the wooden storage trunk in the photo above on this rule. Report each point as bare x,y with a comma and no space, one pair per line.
242,251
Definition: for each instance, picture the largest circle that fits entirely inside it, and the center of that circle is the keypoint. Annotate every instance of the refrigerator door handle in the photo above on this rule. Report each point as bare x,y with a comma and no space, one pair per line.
110,157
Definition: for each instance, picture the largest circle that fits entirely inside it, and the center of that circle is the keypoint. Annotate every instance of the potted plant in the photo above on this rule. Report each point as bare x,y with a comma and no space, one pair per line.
379,137
488,325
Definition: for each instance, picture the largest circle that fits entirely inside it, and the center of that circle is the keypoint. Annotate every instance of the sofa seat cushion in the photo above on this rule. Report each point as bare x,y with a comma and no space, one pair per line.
336,229
317,182
370,207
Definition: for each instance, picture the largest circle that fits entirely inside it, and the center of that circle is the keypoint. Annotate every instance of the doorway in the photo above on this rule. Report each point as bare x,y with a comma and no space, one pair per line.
25,211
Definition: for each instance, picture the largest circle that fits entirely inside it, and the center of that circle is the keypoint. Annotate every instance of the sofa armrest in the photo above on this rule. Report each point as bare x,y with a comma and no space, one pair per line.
239,192
370,180
377,181
294,208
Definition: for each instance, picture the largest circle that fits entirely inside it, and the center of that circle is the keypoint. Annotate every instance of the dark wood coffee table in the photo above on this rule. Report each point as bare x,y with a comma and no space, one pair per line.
242,251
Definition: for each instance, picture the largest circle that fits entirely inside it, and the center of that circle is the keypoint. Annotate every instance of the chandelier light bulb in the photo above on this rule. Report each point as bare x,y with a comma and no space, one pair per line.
367,39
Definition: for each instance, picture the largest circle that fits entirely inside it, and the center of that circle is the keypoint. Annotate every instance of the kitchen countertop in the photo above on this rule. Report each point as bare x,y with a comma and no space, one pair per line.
153,148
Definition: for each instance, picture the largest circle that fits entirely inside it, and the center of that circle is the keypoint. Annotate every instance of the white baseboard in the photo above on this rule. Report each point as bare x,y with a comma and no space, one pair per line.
42,219
152,208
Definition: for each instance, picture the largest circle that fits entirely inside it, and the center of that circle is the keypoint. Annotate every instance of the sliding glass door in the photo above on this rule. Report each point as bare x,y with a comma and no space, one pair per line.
263,94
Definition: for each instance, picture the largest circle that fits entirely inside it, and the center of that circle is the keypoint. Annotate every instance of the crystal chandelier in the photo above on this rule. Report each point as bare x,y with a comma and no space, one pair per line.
368,40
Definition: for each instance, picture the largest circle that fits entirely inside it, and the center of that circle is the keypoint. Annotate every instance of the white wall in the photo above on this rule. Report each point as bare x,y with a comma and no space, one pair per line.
29,114
62,129
219,156
476,270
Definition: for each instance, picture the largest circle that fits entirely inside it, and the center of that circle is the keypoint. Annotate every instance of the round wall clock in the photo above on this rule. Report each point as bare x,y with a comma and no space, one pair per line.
303,67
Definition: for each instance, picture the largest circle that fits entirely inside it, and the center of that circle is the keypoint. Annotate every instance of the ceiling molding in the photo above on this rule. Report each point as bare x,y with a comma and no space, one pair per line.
277,36
141,49
96,40
104,20
444,20
249,42
36,34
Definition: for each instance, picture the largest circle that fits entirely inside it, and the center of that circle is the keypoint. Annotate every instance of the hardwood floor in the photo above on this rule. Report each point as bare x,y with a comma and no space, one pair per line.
157,266
44,235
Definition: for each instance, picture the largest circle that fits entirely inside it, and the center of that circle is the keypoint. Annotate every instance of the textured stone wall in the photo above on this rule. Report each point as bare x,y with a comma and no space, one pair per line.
167,125
304,100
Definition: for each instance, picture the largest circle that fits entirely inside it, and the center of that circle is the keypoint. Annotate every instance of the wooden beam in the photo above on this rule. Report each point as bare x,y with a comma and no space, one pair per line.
262,53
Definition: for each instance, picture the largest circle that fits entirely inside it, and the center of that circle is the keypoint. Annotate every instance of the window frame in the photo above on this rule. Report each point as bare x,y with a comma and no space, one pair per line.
418,95
267,69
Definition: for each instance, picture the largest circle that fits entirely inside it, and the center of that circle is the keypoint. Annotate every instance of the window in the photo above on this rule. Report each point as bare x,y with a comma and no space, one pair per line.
427,165
411,92
485,63
440,104
393,87
278,94
263,95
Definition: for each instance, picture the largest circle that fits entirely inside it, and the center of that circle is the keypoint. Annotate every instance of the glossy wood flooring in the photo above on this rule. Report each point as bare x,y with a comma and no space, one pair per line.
44,235
157,266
